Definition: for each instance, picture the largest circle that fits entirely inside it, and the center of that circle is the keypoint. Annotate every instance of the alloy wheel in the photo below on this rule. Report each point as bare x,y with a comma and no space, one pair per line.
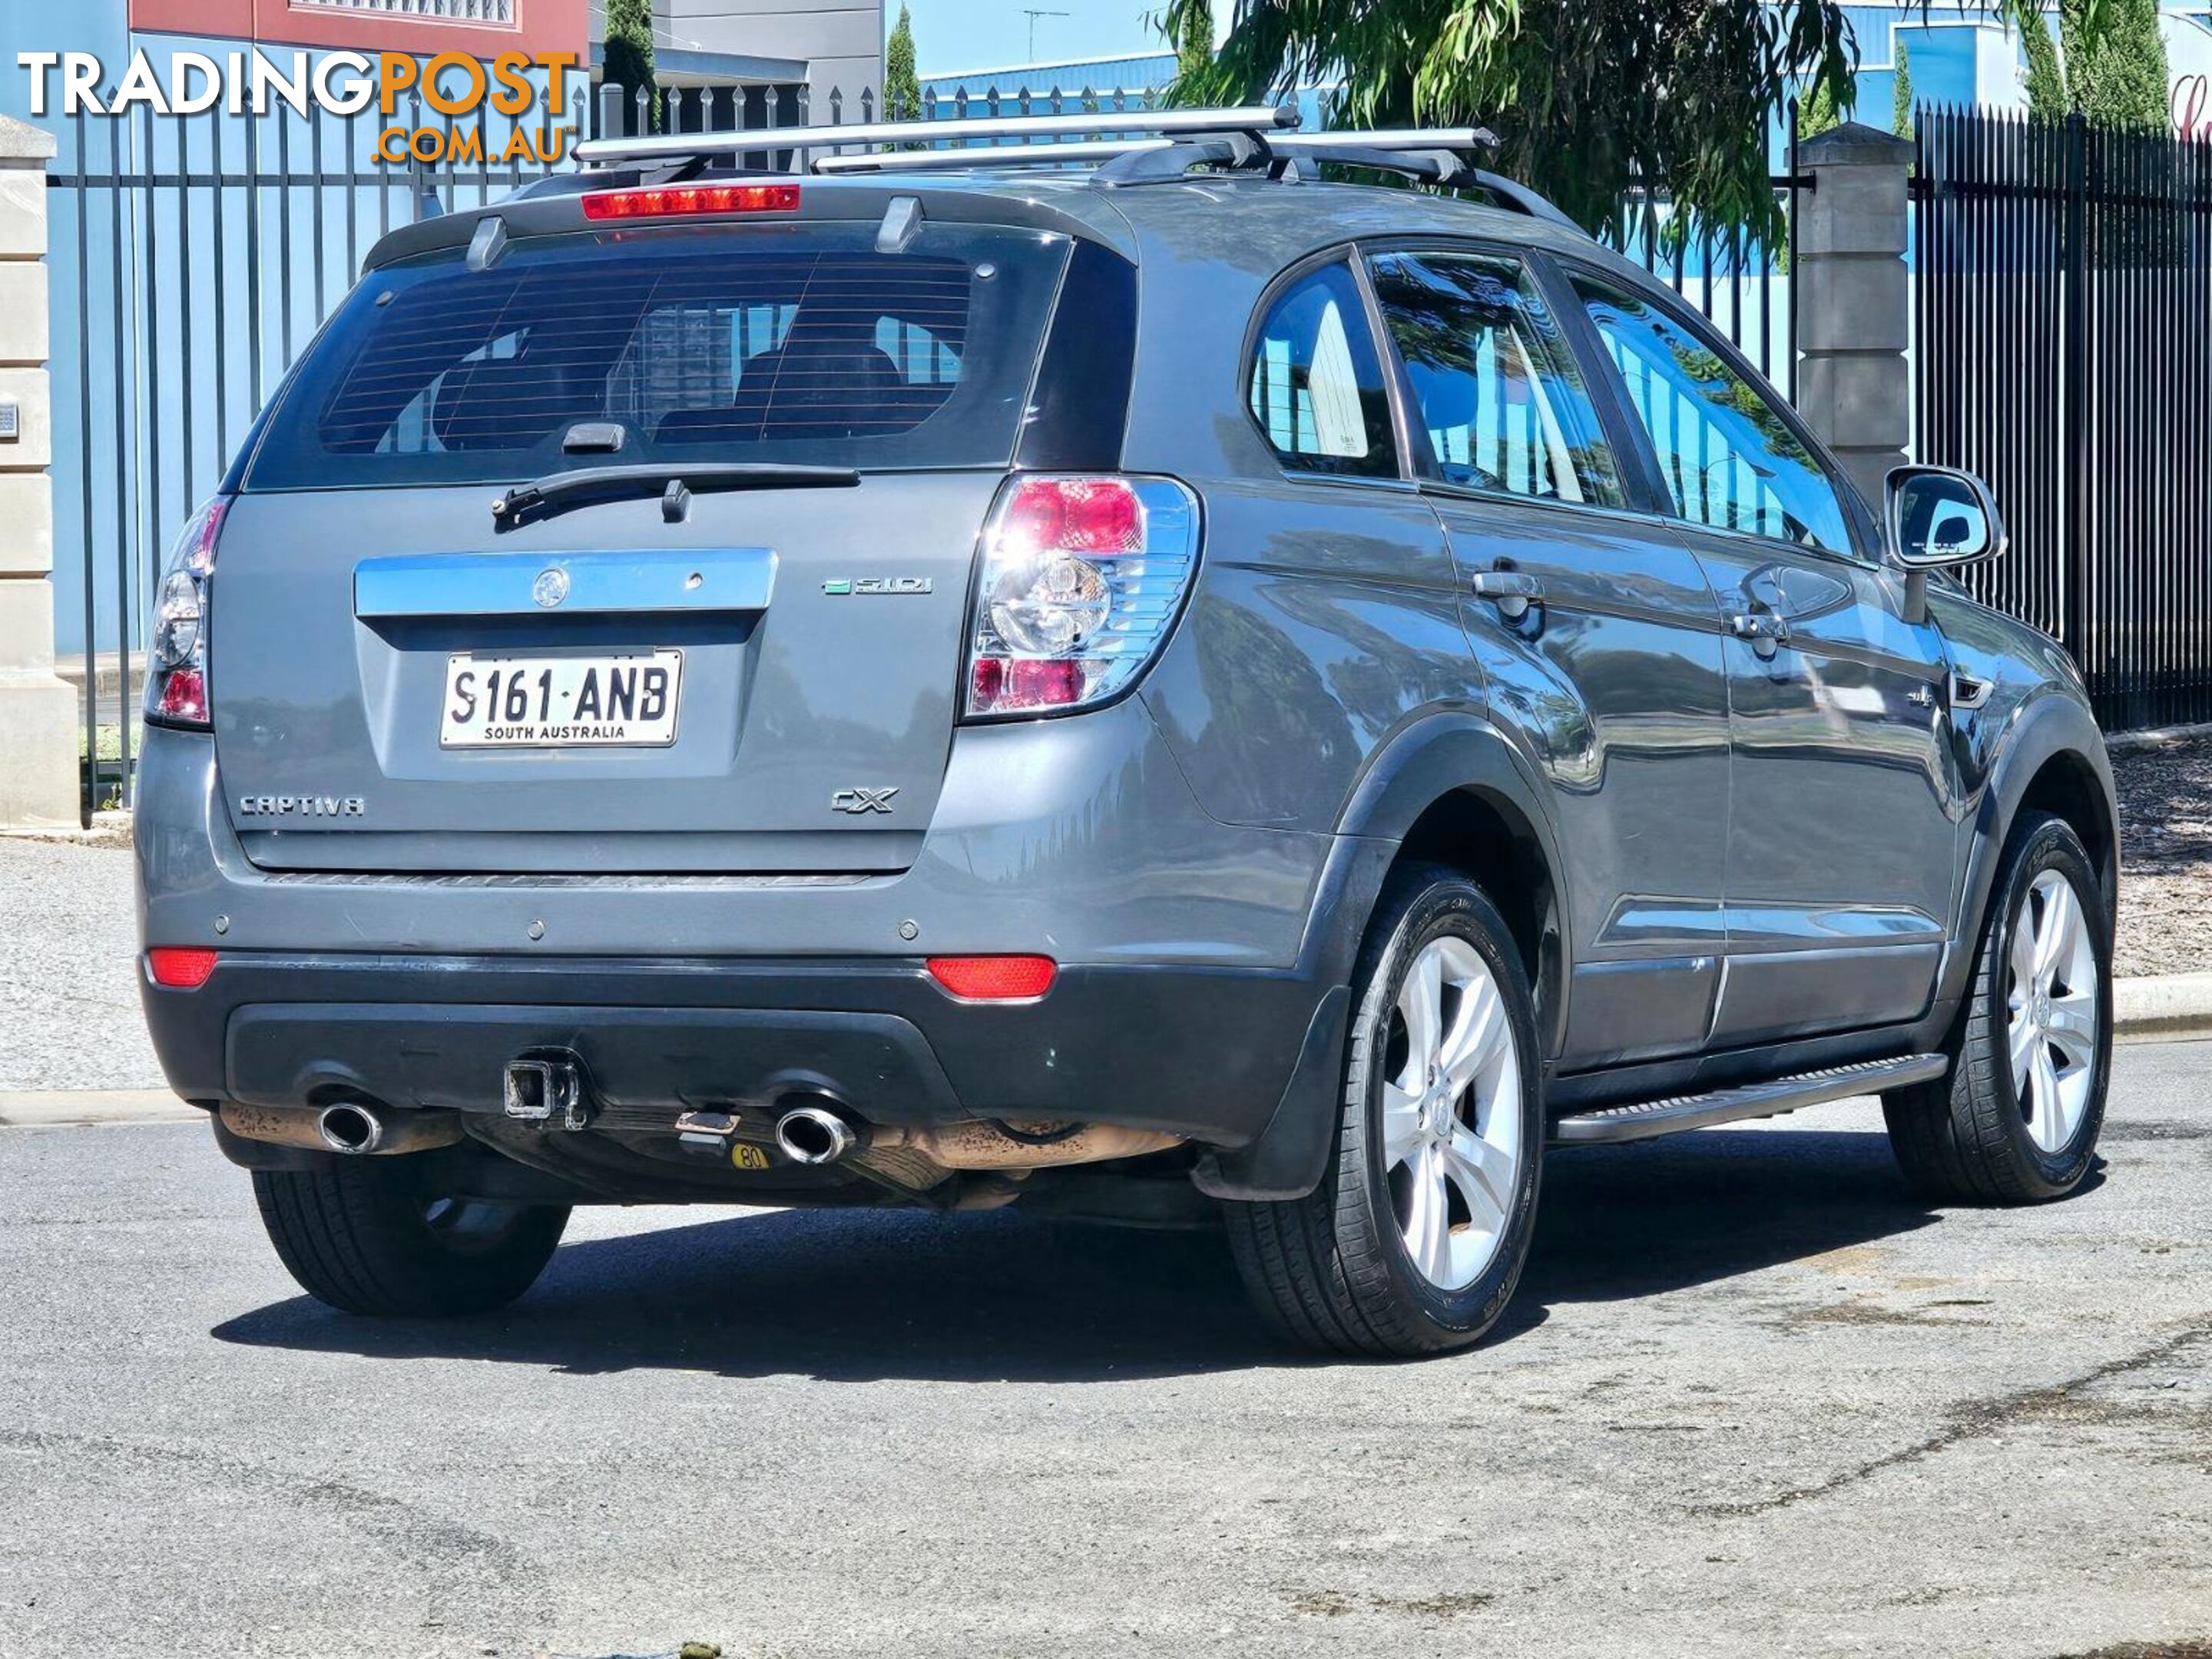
2051,1030
1451,1114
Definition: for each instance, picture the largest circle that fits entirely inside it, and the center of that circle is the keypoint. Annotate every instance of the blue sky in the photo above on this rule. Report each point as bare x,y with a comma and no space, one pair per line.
962,34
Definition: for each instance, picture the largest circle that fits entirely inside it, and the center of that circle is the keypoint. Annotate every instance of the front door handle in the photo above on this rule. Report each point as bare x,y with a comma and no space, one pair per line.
1766,632
1512,591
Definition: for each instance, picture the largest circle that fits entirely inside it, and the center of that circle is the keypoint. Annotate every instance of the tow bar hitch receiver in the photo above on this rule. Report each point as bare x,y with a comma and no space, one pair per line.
549,1090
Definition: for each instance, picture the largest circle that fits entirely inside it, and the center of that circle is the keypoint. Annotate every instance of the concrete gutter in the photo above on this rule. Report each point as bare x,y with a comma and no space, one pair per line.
2172,1008
110,829
56,1108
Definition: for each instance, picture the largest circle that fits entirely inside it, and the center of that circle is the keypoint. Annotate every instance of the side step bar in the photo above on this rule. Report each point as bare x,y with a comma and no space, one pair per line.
1642,1120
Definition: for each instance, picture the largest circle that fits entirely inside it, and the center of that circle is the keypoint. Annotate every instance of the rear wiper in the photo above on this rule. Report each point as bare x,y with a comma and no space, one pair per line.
674,485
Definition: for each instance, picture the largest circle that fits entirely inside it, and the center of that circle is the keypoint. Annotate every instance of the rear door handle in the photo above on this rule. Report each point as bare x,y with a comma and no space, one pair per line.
1512,591
1766,632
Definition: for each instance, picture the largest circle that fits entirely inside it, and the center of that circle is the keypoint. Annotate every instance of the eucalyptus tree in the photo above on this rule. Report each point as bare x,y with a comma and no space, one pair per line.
1586,96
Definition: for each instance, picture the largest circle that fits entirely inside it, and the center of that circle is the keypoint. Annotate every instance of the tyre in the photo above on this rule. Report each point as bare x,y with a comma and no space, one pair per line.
1415,1237
2016,1119
365,1237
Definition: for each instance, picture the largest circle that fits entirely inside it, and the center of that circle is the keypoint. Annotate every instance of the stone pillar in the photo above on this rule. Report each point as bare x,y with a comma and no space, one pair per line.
1855,299
38,713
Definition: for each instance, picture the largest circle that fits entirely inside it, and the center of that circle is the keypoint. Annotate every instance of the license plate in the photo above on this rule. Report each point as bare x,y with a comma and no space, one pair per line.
561,702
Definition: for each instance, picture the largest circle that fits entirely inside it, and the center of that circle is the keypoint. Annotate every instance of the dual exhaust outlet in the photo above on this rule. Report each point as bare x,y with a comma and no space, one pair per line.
816,1134
813,1134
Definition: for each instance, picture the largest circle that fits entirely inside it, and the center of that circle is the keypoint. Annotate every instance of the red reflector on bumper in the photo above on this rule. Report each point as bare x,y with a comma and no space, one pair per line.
180,970
681,201
994,979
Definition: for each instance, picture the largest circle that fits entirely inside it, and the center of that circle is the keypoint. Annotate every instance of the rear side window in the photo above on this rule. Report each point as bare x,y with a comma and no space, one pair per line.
1500,399
1316,386
791,342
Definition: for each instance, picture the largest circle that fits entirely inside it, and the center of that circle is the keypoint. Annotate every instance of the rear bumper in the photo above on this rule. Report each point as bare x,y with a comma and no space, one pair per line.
1201,987
1204,1053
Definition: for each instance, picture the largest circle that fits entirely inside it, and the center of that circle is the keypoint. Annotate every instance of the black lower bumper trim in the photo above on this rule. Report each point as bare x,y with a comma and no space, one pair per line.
1202,1052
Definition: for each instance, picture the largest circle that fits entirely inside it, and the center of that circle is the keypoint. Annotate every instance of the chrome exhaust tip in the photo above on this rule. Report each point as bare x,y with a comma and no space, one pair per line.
351,1127
814,1135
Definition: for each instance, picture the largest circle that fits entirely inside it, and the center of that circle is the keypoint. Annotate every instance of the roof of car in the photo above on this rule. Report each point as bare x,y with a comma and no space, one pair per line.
1241,220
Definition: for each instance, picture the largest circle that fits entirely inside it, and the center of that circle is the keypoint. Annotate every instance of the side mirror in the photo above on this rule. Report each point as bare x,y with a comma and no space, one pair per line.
1939,518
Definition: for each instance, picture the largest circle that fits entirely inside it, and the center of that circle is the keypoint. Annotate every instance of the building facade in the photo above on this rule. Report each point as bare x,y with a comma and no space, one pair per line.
825,46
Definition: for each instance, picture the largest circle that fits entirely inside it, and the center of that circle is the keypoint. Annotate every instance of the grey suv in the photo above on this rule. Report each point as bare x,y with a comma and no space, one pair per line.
1147,687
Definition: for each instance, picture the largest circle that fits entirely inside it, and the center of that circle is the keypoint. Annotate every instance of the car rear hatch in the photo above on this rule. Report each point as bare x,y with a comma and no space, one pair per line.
739,650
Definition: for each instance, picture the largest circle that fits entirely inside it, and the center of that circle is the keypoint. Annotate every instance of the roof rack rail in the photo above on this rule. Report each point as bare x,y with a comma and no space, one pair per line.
1519,198
1434,156
1053,153
1154,146
701,146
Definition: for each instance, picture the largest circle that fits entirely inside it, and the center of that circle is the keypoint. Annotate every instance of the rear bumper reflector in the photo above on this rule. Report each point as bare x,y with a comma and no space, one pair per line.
180,968
994,979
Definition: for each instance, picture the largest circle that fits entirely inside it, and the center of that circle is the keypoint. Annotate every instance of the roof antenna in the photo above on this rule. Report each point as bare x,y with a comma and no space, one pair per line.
1033,15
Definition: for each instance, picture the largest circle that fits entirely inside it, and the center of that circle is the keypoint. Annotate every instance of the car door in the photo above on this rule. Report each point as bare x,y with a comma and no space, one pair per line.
1842,818
1596,629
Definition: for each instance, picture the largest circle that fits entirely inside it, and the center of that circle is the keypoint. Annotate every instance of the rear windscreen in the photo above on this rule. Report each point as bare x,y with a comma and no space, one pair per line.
794,342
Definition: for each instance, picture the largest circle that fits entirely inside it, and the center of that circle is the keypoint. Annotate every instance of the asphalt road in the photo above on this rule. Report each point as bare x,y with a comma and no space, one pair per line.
1752,1400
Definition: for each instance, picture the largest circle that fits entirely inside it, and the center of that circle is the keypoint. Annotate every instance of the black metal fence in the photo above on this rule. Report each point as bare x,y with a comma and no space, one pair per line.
192,260
2064,352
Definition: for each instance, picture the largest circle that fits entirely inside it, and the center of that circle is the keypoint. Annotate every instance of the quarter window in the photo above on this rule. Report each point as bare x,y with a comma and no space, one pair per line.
1317,386
1497,395
1732,461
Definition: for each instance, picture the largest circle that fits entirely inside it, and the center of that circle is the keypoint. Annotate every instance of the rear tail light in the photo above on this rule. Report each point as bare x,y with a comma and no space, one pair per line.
177,969
176,667
1081,579
994,979
689,201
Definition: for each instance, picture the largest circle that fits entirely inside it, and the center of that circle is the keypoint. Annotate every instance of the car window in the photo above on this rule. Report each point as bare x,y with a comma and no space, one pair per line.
796,343
1498,394
1317,386
1731,460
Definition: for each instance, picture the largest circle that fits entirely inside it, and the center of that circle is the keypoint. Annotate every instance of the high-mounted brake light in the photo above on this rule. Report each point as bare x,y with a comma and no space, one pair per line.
686,201
176,679
1081,579
994,979
180,968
